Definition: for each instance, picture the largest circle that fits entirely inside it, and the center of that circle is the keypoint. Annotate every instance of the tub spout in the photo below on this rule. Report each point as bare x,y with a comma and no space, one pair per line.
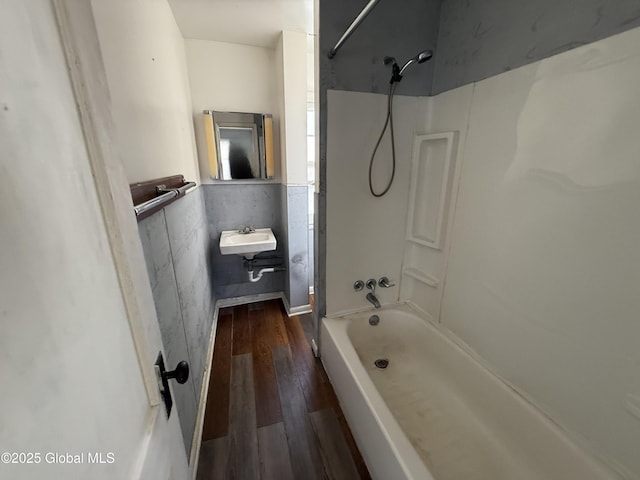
372,298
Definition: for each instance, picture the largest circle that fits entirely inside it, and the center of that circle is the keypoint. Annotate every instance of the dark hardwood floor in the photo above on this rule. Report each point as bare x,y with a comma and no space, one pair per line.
271,412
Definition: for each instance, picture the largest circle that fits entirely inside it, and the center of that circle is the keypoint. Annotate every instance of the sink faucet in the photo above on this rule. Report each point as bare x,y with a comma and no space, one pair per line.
246,229
371,296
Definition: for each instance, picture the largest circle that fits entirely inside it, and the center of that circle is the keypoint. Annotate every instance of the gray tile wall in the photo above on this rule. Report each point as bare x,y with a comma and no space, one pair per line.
397,29
311,257
176,248
190,248
311,200
280,207
483,38
227,207
157,251
297,198
284,204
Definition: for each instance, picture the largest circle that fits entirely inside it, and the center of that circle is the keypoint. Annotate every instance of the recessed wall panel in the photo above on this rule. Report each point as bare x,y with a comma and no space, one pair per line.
430,188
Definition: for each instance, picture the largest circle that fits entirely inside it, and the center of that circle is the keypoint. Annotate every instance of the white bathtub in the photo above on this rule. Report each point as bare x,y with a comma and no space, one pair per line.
435,412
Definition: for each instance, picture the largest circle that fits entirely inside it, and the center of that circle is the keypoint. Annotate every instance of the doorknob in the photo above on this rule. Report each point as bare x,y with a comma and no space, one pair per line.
180,374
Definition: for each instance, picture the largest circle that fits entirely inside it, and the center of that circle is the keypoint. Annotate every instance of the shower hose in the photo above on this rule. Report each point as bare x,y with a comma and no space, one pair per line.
388,123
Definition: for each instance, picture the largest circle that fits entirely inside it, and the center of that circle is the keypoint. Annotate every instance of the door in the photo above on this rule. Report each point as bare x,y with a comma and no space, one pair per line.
78,334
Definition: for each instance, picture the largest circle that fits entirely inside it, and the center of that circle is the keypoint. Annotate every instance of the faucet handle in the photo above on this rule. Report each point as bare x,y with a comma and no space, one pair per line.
371,284
384,283
358,285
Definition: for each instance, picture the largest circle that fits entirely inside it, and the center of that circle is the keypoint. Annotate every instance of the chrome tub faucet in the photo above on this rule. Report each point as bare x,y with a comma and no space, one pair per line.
371,296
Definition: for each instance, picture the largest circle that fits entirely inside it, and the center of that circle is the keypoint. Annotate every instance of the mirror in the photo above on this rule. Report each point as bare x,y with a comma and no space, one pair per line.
239,145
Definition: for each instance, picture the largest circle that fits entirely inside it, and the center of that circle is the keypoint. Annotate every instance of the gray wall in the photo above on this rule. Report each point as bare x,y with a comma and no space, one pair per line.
311,241
481,38
297,215
229,206
399,29
262,205
176,246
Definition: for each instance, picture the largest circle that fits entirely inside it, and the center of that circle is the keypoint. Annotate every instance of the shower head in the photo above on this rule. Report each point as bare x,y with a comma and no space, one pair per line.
419,58
396,71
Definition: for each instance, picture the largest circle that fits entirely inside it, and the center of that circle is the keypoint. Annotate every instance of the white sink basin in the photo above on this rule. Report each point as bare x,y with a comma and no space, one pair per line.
233,242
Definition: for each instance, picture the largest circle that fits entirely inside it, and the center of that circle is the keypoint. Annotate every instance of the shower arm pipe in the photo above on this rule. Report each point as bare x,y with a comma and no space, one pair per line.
355,24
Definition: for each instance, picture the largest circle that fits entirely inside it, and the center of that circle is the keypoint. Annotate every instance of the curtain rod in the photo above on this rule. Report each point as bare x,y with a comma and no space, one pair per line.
355,24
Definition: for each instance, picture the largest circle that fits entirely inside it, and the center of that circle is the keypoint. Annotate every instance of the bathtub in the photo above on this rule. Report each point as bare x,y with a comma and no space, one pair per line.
435,412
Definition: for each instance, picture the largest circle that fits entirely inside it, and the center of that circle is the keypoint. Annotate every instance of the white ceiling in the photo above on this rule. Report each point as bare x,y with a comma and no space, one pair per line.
248,22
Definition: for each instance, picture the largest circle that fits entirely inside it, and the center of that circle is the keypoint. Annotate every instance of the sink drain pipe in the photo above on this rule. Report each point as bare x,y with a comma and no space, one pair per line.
253,277
256,276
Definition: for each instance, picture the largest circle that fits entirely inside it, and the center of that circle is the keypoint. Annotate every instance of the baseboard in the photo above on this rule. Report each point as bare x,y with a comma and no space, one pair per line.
293,311
314,348
260,297
202,404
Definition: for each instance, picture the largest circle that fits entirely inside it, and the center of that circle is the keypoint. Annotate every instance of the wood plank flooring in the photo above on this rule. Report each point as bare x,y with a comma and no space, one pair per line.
271,411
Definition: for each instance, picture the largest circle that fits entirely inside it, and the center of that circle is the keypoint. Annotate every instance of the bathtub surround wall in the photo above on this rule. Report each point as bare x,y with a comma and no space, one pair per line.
177,249
486,37
543,266
471,41
366,234
358,66
447,112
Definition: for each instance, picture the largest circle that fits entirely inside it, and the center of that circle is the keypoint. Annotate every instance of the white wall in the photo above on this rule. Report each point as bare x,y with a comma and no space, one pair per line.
365,235
544,269
67,357
143,53
230,77
292,59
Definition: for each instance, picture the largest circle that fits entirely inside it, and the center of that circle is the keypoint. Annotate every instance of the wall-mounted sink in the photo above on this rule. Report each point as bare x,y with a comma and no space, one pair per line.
233,242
